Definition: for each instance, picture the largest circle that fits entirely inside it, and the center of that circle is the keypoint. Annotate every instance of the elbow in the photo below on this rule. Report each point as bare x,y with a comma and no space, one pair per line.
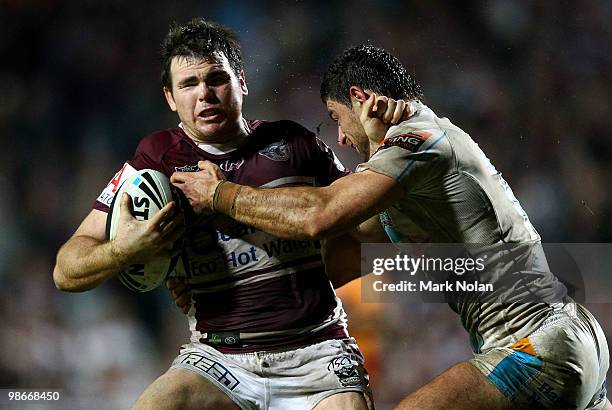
62,282
322,226
59,280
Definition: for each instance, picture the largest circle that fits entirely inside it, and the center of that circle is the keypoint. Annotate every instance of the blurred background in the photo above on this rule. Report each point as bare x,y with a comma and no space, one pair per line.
79,86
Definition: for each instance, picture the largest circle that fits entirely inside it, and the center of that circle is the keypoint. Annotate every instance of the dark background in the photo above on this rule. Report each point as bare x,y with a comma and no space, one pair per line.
79,86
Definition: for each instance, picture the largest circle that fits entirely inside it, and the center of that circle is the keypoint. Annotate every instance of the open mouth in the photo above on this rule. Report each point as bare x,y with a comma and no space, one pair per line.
210,114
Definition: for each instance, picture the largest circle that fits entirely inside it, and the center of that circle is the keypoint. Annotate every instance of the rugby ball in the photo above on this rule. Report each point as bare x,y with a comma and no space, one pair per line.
150,191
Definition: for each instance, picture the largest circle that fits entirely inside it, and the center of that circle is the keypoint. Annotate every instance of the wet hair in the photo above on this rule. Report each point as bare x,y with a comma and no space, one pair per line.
199,40
370,68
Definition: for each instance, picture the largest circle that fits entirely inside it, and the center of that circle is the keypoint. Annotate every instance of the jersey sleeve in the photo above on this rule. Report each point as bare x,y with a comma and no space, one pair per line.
317,158
141,160
414,158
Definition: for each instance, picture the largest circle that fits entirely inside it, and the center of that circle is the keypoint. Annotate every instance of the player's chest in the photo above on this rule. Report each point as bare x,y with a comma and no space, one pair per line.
273,164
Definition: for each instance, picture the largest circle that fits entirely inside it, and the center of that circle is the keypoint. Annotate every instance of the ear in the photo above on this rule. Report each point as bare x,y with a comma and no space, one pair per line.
243,84
170,98
358,94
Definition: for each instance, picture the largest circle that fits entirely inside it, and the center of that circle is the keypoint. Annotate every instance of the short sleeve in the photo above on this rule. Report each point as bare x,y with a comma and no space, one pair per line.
141,160
413,158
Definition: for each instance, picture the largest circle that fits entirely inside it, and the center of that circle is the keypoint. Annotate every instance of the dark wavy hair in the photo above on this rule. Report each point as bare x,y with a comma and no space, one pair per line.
200,40
370,68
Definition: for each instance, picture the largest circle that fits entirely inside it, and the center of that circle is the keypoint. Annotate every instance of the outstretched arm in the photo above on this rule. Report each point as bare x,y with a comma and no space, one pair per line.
316,212
295,212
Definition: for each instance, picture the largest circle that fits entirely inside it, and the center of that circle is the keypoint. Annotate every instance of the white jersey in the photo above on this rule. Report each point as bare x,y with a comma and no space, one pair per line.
453,194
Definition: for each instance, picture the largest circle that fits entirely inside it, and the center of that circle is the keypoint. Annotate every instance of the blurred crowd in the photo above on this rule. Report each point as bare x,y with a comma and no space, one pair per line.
79,86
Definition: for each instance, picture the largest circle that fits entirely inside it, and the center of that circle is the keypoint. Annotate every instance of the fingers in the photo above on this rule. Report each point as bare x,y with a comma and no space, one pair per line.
212,169
407,112
177,222
368,105
177,286
208,167
380,106
400,111
184,302
163,216
203,164
170,229
390,111
391,105
172,282
174,233
180,292
178,177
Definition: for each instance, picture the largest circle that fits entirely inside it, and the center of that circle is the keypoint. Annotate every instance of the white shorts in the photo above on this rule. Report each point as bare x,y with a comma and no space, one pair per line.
563,364
291,379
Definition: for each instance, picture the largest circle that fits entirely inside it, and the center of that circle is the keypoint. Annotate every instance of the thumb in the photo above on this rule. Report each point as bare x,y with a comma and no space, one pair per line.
126,206
212,169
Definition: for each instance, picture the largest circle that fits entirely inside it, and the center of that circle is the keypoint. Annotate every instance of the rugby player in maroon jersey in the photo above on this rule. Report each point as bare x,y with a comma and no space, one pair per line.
267,330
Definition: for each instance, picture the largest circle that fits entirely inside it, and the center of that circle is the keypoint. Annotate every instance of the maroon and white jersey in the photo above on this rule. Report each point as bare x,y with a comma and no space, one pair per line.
274,292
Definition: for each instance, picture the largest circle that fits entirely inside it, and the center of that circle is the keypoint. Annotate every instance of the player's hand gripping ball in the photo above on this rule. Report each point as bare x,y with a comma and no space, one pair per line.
149,191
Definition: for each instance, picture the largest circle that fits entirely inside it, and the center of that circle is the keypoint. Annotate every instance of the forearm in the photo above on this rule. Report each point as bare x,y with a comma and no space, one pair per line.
83,263
292,213
306,212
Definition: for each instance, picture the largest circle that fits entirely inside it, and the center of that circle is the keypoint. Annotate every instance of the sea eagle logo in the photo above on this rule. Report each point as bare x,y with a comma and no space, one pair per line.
277,151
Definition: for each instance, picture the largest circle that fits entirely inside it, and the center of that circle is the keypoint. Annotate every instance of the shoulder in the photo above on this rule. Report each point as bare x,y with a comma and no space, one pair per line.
284,128
407,150
284,135
159,142
413,140
421,133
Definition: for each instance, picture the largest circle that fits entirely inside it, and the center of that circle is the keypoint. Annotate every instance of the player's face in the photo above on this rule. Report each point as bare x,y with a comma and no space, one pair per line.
207,96
350,130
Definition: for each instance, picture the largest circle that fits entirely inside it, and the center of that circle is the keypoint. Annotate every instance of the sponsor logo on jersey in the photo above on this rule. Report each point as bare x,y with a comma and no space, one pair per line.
229,166
187,168
346,370
277,151
411,141
106,197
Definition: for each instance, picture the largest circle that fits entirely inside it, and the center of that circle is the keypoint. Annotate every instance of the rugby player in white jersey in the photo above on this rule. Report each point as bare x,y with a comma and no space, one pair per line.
267,330
427,181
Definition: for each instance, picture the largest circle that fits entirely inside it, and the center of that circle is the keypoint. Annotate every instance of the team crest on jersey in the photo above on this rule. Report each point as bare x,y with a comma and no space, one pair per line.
187,168
411,141
346,370
277,151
